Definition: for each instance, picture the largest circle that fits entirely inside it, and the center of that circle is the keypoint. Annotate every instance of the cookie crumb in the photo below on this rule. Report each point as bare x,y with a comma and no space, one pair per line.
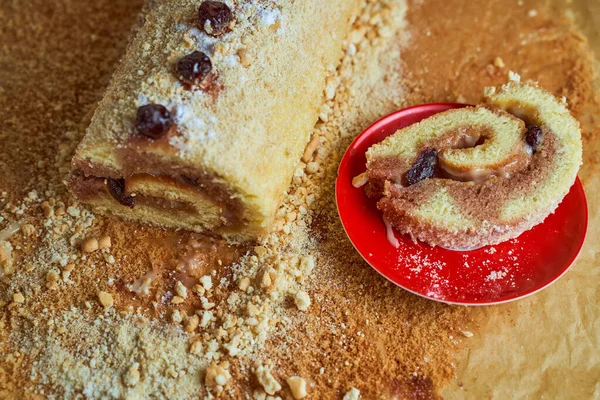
106,299
267,381
499,62
206,282
18,298
181,290
104,242
132,376
352,394
89,245
297,387
302,300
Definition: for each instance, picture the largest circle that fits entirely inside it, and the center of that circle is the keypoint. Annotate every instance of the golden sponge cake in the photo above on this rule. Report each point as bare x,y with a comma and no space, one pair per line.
206,118
477,176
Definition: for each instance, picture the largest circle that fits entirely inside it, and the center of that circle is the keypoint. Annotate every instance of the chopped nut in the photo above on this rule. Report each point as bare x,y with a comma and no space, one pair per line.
196,348
243,284
291,216
18,298
89,245
199,290
191,324
267,381
177,300
297,387
467,333
106,299
181,290
104,242
352,394
132,376
206,318
260,251
206,282
252,310
176,317
69,267
302,300
360,180
312,167
499,62
265,279
311,147
217,375
28,229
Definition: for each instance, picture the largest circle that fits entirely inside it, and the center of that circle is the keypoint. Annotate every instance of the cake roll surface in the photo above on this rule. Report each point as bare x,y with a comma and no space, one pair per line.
480,175
209,112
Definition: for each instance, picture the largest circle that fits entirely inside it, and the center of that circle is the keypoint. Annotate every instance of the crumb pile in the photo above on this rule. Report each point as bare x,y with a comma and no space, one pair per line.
97,307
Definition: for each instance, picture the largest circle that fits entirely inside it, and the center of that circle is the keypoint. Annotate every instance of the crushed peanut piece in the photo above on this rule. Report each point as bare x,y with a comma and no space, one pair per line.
89,245
176,317
191,323
206,282
302,300
499,62
360,180
243,284
311,148
199,290
217,375
267,381
260,251
181,290
18,298
297,387
196,347
352,394
104,242
106,299
177,300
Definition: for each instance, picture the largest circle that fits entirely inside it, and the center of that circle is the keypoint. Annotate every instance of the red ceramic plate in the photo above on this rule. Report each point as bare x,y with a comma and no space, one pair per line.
489,275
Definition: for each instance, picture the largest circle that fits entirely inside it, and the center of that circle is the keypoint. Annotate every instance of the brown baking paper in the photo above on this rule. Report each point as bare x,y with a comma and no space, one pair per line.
547,345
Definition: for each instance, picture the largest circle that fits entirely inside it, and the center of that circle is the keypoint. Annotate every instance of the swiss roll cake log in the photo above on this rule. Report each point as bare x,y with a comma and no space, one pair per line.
209,112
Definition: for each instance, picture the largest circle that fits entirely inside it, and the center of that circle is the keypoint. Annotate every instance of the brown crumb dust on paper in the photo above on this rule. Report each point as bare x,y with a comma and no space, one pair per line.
169,314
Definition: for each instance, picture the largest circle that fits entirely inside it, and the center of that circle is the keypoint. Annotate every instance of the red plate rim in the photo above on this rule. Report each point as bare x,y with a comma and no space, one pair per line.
348,168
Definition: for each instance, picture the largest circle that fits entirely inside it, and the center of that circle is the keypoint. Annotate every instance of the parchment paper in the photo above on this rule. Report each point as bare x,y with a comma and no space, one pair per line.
547,345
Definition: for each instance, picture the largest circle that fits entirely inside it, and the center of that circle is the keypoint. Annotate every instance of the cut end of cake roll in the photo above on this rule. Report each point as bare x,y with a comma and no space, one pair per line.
478,176
201,127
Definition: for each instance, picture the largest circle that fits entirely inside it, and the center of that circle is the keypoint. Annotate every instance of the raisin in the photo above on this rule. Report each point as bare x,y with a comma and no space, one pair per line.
218,16
153,121
533,137
194,68
424,167
116,187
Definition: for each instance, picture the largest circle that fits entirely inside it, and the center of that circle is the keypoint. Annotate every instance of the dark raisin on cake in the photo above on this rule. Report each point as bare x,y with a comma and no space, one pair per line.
116,187
423,168
194,68
214,17
153,121
533,137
